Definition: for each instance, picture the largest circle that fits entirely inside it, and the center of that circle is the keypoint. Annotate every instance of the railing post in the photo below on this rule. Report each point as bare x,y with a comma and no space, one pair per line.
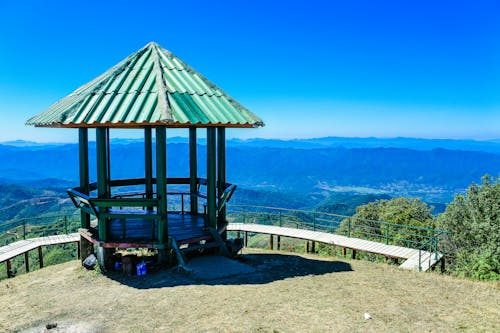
435,247
387,234
419,260
182,203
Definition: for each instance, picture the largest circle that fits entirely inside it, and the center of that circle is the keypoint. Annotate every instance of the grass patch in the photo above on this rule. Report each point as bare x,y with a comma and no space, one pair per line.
287,293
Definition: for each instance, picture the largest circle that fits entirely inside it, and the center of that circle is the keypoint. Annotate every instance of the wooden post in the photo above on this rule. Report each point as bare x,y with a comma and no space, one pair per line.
211,181
193,170
278,241
307,246
238,234
9,269
26,262
443,265
148,163
246,238
221,175
353,254
40,257
344,252
108,163
161,183
83,157
271,241
102,176
313,247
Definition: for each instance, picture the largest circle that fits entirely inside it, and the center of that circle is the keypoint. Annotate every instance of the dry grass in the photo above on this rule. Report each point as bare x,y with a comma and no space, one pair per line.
287,293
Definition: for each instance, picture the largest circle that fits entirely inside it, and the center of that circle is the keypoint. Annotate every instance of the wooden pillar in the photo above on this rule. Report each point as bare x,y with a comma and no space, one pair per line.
148,163
313,247
353,254
271,242
246,239
161,183
102,176
278,241
108,163
83,157
40,257
26,262
344,251
104,255
211,178
307,246
221,174
193,170
9,268
443,265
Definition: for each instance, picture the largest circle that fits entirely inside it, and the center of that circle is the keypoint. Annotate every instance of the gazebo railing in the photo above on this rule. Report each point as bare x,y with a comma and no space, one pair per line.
142,204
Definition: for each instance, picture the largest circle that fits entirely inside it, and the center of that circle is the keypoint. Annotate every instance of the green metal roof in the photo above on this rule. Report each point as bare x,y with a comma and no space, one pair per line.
150,87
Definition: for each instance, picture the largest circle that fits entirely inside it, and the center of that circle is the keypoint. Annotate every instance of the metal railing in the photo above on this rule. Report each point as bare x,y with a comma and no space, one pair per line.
423,239
65,222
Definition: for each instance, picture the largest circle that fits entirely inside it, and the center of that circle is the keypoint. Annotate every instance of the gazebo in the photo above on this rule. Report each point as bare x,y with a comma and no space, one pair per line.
151,89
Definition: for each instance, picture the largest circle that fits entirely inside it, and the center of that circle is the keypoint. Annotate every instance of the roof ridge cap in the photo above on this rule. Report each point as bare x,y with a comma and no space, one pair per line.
163,103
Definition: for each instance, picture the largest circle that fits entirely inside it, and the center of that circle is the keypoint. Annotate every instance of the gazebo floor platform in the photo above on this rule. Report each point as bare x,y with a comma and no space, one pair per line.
138,232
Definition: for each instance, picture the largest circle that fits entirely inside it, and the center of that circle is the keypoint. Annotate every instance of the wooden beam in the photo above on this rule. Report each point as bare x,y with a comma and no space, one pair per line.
26,262
211,178
161,183
221,172
102,177
193,169
83,157
108,162
40,257
148,163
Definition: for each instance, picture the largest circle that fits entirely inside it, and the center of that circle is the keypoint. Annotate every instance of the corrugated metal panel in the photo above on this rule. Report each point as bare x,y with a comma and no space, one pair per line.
149,87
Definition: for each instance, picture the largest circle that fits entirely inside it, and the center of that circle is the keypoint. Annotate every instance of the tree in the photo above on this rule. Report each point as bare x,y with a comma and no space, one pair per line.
368,222
473,218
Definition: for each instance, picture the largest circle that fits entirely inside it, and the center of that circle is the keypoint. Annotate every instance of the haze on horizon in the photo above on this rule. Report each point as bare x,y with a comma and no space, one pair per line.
310,69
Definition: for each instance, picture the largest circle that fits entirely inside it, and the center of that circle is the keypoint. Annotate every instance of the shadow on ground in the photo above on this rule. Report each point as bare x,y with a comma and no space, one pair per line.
252,268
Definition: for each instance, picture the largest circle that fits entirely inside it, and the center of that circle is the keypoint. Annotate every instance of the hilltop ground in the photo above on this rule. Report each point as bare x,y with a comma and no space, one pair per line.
285,293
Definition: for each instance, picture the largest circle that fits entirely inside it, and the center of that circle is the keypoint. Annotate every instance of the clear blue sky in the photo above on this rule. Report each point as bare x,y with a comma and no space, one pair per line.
308,68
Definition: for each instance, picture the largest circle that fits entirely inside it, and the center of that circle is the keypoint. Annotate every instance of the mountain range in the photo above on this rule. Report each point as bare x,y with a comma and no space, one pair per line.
431,169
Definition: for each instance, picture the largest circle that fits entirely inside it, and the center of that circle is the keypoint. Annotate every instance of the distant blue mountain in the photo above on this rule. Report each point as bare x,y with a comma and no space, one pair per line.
489,146
322,166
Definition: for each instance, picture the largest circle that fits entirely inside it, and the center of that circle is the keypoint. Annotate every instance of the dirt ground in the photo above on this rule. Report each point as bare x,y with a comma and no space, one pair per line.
280,292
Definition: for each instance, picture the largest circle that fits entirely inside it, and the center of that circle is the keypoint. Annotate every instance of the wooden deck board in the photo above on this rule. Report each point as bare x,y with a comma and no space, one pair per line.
17,248
394,251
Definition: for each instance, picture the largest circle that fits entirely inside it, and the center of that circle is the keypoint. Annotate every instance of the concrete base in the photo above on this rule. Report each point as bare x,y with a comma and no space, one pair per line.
105,257
216,267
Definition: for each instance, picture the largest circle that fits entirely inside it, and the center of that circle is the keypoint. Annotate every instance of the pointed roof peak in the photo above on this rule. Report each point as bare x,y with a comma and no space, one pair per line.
150,87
